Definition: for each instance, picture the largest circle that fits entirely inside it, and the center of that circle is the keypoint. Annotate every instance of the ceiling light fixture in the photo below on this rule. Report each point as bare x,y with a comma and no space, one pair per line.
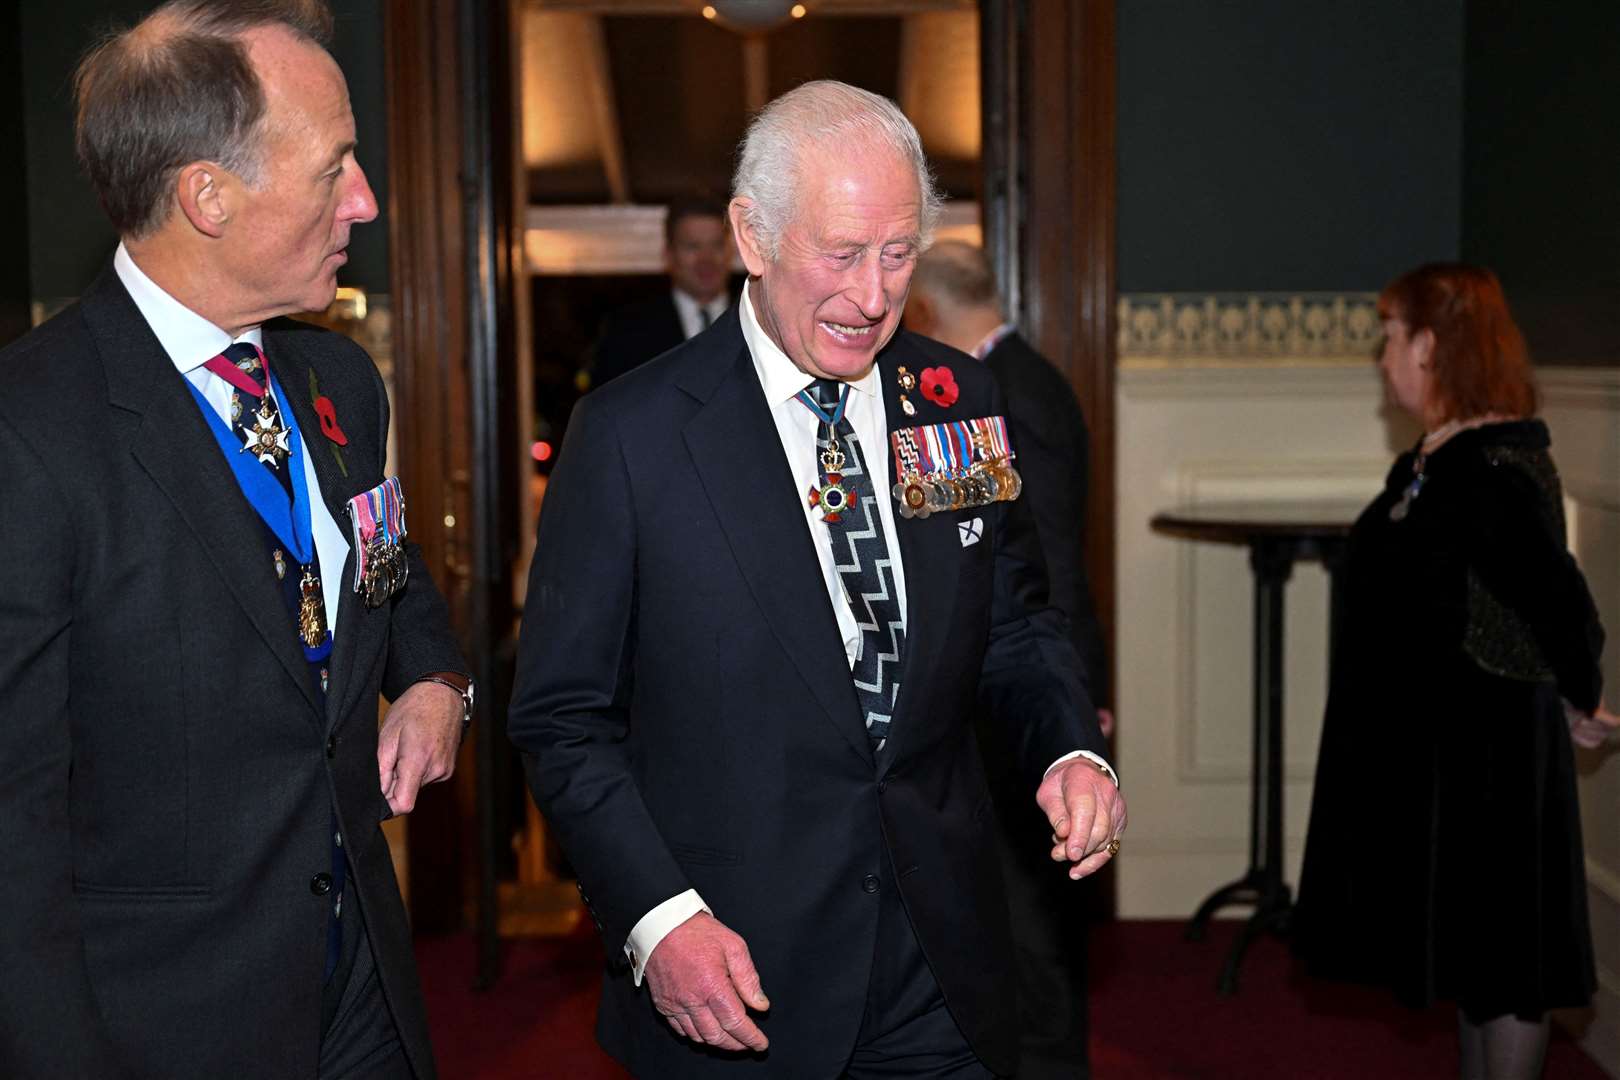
752,16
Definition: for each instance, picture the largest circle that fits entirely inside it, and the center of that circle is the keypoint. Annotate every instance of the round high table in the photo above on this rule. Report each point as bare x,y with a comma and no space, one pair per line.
1277,534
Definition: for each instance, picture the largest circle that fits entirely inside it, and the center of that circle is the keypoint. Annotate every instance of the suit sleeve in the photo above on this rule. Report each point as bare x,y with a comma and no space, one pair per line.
50,1024
570,713
419,637
1032,681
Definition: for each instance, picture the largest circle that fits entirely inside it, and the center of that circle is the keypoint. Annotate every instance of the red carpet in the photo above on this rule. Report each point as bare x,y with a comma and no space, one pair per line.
1154,1016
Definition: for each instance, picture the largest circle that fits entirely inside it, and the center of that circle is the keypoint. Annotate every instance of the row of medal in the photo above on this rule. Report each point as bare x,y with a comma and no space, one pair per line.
953,466
378,519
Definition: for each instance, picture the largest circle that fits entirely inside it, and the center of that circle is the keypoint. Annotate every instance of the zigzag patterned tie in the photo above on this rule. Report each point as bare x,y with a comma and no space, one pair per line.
861,555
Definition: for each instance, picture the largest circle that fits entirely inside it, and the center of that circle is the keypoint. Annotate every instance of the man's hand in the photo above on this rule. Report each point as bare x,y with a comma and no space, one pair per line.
418,742
1086,811
701,976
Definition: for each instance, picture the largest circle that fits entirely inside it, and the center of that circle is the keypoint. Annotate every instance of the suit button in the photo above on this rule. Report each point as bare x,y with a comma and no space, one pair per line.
320,884
869,883
331,746
883,784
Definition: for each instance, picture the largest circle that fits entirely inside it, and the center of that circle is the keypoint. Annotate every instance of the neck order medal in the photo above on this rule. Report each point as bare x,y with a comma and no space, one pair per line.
831,496
267,439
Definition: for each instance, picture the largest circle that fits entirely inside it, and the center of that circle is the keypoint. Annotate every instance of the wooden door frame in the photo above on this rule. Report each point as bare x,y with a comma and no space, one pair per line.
1049,224
1049,206
455,273
1049,212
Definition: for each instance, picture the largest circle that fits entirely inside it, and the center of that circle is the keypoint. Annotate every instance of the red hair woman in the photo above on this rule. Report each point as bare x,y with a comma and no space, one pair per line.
1444,853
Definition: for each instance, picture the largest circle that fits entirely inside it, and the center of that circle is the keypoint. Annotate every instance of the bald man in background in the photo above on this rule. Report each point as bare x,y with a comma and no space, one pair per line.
954,300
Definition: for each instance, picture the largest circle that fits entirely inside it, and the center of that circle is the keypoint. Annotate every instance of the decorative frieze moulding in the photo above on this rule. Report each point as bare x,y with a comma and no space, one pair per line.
1228,329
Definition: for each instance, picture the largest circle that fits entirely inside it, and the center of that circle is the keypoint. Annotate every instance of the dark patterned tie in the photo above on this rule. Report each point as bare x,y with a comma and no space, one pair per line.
861,555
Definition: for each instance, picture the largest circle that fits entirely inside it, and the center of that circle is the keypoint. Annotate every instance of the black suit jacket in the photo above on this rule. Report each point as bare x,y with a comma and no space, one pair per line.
688,718
634,335
169,776
1054,457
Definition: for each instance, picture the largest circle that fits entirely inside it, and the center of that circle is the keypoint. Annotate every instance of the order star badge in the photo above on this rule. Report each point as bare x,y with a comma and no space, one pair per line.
267,440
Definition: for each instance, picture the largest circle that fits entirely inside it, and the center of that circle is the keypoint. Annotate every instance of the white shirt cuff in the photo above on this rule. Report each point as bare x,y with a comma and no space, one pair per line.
656,925
1089,756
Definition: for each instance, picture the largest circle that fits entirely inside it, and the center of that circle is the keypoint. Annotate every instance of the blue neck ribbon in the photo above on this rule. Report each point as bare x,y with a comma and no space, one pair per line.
292,524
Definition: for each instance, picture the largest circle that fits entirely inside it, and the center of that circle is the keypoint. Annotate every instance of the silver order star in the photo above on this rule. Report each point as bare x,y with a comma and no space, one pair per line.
267,440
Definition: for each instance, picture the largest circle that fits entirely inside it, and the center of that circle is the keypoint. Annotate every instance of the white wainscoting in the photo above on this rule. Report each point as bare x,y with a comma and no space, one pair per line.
1192,433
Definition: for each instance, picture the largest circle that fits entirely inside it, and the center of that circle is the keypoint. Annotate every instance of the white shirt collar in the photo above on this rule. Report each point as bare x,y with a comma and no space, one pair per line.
686,302
189,339
781,377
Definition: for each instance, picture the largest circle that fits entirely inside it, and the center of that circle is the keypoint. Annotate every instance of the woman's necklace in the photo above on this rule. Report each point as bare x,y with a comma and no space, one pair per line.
1433,441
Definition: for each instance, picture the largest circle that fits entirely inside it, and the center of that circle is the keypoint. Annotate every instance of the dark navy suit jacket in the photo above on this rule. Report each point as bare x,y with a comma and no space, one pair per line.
169,771
688,720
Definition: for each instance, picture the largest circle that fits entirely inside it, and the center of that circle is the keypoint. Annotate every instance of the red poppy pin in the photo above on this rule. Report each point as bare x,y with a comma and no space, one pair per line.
327,412
329,425
939,386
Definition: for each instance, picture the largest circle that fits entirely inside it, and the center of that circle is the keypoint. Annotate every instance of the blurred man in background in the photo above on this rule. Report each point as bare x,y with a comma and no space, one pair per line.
697,255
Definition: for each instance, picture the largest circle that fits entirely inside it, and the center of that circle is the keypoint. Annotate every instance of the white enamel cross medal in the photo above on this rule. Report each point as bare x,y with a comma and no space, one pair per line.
267,439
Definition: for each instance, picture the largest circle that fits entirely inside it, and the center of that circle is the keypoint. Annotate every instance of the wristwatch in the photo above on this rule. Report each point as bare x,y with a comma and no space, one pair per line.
461,684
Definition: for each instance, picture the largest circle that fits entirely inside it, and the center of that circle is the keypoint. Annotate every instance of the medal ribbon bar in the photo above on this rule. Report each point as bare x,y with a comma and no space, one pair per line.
953,465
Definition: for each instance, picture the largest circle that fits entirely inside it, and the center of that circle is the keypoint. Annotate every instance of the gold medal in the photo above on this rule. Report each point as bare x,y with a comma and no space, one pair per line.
1013,483
311,611
915,497
899,493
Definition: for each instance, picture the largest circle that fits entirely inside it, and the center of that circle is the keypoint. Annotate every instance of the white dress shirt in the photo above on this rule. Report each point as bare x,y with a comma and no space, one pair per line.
190,342
796,427
692,313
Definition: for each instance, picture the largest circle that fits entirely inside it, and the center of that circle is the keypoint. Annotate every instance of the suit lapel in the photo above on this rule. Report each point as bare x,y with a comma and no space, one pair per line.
932,552
173,444
352,636
738,456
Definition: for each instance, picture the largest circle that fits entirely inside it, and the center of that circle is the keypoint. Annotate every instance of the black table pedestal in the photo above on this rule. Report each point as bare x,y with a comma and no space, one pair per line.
1272,560
1274,546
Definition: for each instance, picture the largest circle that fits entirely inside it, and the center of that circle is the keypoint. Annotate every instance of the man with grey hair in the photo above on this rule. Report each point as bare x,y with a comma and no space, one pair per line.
779,571
204,585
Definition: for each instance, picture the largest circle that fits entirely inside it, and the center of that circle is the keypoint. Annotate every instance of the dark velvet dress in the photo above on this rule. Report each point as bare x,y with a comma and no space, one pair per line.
1444,853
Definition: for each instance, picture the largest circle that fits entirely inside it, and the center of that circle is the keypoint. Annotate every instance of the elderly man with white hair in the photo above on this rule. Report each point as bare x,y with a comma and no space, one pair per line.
779,572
